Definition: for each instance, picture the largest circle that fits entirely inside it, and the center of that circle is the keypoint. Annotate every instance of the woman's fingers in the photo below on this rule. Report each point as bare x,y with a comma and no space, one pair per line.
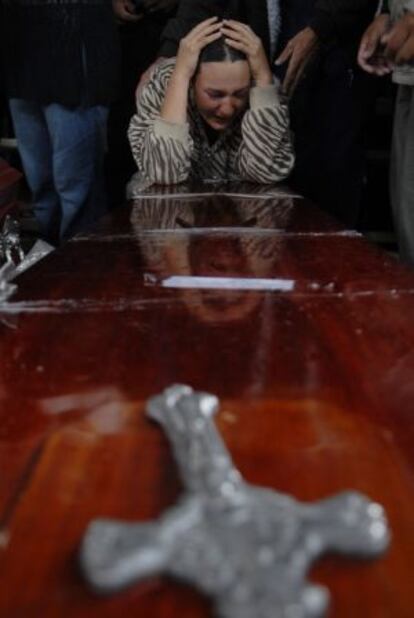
201,35
241,37
239,33
240,44
236,36
209,39
242,40
199,40
237,45
203,39
211,22
190,46
233,33
238,26
207,31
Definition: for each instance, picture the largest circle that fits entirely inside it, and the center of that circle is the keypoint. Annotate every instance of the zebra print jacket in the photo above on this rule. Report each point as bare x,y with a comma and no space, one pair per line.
257,147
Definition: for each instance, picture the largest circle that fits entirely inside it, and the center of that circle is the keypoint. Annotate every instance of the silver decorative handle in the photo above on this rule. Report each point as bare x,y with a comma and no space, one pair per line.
10,245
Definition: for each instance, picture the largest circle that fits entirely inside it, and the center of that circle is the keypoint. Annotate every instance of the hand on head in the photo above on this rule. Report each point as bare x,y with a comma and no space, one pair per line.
191,45
237,35
241,37
222,78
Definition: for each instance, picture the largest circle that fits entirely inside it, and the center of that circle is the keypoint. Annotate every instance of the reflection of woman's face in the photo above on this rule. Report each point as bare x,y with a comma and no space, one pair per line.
221,258
221,91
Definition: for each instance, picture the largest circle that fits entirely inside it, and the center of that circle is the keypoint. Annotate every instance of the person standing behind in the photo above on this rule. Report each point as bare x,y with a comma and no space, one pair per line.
61,60
140,26
388,46
329,99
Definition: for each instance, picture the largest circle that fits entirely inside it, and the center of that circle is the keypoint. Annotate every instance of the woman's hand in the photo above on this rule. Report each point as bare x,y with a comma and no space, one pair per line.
241,37
174,108
190,46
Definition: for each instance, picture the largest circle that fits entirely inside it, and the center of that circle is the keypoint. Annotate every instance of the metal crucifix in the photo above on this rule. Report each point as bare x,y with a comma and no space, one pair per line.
247,547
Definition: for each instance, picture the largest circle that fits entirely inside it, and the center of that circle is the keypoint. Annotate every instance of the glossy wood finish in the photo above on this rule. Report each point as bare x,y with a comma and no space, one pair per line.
316,385
9,181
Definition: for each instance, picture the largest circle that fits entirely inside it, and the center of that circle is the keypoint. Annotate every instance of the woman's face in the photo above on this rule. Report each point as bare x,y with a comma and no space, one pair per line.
221,91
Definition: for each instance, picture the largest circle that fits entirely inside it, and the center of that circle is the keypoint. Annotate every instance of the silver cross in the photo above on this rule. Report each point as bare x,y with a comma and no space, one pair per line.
247,547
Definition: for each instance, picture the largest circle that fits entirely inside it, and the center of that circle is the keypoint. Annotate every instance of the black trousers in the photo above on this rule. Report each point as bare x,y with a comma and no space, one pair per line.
140,42
328,112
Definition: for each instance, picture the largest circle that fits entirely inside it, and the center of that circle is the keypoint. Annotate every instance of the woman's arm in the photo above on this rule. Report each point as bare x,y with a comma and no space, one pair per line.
161,149
159,133
174,108
266,152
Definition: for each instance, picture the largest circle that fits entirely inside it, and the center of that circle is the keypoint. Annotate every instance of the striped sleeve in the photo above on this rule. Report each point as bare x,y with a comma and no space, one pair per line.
266,152
162,150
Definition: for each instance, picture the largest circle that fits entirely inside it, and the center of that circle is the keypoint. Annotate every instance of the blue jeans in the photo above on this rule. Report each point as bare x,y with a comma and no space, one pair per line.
62,153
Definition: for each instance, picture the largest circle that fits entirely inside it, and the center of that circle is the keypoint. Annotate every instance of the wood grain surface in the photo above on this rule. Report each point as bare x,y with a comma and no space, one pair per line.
9,183
315,379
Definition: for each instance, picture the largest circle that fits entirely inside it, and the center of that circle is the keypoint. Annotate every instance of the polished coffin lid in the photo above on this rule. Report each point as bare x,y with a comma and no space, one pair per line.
302,329
9,180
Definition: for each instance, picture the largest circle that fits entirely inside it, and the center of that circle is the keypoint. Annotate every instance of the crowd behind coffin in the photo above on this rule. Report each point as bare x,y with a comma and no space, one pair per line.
109,98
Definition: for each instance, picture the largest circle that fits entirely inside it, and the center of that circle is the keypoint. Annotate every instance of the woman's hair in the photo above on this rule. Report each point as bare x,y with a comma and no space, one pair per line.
219,51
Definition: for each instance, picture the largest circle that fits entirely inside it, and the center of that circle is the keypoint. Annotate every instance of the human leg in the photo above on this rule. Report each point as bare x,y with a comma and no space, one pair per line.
139,47
402,172
78,142
36,153
328,115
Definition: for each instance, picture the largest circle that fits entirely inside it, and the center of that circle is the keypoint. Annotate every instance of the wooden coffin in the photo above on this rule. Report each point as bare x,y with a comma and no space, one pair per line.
314,372
9,182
